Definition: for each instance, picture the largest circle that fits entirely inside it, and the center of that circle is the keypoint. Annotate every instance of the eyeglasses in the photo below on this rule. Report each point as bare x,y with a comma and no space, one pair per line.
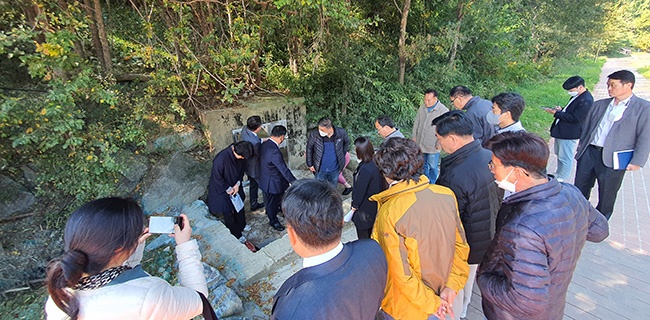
491,165
454,99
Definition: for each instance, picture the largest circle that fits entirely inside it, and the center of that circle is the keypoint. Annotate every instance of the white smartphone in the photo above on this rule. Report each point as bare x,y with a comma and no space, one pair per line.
164,224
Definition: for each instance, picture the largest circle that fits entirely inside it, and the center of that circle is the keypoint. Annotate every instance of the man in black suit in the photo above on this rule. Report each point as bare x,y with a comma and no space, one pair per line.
567,124
275,176
337,281
619,123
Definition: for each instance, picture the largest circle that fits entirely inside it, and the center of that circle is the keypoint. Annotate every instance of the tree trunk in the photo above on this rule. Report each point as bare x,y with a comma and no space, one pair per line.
460,14
103,39
103,54
402,40
32,13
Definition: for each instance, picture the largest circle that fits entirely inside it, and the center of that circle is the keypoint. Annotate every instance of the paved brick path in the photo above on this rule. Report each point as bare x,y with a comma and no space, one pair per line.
612,279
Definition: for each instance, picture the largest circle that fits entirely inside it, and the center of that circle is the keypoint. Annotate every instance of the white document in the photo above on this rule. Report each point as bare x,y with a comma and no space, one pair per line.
237,202
348,216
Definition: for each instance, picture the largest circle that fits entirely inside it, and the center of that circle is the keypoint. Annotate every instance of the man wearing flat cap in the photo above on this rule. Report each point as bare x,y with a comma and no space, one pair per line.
567,124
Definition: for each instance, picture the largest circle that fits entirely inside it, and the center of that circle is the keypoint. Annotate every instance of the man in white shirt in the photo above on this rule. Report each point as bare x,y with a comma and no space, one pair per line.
619,123
337,281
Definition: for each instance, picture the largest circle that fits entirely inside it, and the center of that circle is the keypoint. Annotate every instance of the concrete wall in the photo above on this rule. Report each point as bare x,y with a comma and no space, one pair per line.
220,123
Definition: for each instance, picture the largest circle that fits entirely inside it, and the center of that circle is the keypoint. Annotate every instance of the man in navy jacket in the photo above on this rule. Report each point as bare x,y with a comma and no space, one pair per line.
225,181
567,124
275,176
337,281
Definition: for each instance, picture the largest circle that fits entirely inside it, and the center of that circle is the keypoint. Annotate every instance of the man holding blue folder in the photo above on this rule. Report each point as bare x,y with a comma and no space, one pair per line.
615,127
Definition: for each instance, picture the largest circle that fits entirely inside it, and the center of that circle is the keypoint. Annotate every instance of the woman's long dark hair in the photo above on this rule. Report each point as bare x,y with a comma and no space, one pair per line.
365,150
94,234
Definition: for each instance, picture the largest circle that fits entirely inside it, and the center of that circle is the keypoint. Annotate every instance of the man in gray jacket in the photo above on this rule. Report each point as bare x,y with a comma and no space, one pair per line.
249,133
476,108
386,127
619,123
424,132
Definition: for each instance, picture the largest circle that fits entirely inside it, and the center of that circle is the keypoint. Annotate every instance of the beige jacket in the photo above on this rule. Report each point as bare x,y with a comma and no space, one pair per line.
419,229
423,132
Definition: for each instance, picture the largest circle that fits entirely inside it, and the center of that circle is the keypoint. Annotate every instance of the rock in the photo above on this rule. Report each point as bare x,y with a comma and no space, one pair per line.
225,302
175,181
29,174
183,141
161,240
14,198
132,167
212,276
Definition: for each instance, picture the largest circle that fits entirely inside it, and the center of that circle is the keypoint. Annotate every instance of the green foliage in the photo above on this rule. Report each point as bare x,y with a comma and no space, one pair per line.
24,305
71,131
644,71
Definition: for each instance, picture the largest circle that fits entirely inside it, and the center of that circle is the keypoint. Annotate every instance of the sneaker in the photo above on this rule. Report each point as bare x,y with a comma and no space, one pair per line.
347,191
247,228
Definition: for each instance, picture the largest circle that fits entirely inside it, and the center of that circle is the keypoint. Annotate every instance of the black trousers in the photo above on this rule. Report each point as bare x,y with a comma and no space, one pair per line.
252,190
363,233
235,222
590,169
272,202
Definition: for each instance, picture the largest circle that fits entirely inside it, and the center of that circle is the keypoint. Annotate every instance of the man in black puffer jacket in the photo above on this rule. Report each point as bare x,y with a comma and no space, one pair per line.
326,148
541,229
465,171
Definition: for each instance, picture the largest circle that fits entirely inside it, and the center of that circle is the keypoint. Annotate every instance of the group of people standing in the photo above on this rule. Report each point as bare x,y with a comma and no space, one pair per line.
490,215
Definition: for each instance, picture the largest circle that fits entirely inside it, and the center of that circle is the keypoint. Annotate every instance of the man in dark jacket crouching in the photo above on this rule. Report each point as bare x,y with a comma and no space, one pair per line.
541,229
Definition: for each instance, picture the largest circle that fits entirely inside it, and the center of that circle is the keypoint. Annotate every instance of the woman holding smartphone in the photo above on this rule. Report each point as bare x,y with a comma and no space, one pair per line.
367,181
99,277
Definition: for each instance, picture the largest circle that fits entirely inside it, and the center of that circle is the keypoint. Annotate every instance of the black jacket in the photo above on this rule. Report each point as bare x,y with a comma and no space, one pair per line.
466,173
315,148
367,181
569,126
226,172
540,233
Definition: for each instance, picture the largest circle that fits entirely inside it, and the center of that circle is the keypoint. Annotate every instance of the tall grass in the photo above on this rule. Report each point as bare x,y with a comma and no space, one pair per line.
645,71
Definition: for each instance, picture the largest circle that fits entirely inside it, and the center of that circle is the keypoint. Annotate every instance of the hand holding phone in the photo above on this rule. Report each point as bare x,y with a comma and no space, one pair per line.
164,224
183,231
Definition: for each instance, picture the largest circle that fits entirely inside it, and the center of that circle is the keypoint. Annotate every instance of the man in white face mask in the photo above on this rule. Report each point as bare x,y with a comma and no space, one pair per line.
540,231
567,124
507,107
326,148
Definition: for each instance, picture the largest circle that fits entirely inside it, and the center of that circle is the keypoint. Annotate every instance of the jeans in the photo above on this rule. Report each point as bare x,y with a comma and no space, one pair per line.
332,177
565,150
431,161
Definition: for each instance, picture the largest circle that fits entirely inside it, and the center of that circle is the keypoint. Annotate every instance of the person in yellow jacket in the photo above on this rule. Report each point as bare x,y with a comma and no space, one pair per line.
420,231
